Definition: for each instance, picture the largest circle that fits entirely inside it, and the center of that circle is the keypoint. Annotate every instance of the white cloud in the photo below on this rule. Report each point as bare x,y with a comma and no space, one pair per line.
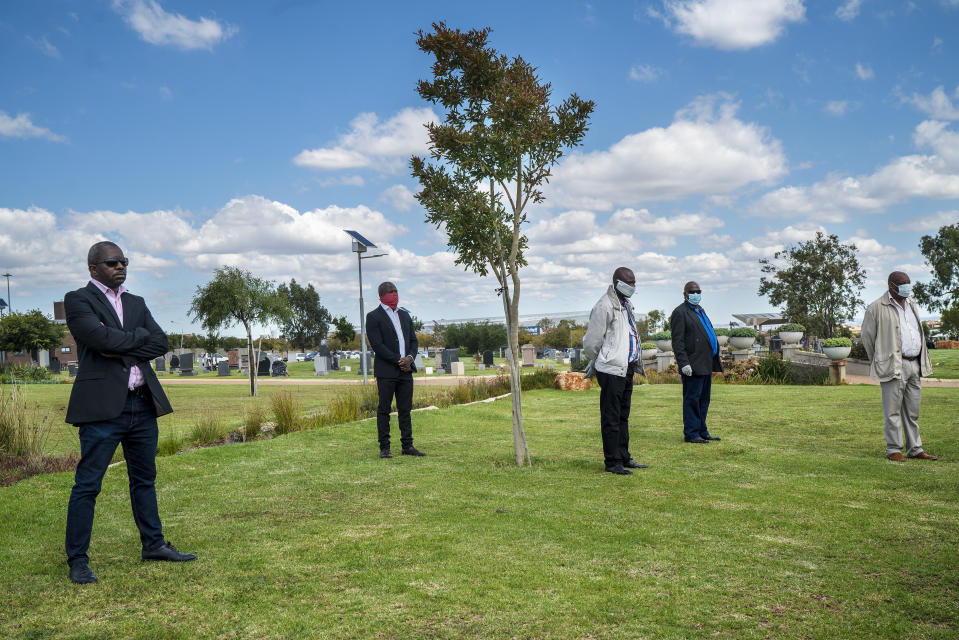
933,175
705,151
863,72
166,93
347,181
937,104
400,197
45,47
732,24
645,73
22,127
848,10
374,143
931,222
836,107
157,26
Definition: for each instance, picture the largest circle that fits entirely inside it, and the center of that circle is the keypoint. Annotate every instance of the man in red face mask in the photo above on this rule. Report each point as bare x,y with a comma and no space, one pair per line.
389,329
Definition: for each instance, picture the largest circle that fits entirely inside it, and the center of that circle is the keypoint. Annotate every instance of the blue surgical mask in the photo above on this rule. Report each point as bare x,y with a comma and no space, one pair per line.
625,289
905,290
695,298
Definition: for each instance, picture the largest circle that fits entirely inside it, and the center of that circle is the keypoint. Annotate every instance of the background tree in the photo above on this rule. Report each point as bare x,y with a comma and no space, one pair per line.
500,131
942,293
308,322
30,331
237,296
417,323
545,324
343,332
211,341
816,283
559,336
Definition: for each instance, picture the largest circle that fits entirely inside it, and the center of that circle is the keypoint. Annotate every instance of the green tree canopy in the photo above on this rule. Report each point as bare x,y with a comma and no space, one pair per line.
30,331
499,131
343,331
942,254
235,296
309,321
816,283
475,337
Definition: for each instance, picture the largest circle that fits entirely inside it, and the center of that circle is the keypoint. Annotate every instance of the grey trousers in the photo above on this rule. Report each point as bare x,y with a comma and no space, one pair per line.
900,408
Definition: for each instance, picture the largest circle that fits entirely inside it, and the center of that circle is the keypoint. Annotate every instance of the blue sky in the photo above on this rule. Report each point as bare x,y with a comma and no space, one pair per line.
203,133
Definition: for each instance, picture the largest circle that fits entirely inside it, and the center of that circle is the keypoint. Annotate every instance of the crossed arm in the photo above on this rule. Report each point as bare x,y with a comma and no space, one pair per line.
132,346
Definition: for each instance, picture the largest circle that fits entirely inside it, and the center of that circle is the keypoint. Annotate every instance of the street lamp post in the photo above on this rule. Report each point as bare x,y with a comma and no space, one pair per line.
9,299
360,245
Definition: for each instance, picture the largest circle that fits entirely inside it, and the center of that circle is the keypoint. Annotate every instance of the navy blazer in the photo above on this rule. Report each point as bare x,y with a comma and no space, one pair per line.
691,342
100,389
382,336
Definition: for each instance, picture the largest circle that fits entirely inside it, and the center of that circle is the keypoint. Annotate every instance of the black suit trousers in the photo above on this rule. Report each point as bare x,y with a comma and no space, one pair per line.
402,390
615,398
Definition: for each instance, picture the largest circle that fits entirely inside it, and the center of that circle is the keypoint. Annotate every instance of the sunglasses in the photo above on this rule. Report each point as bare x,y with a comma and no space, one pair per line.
113,262
694,291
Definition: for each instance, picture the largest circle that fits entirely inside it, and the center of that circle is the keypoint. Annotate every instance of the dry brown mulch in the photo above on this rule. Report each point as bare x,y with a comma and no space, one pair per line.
16,468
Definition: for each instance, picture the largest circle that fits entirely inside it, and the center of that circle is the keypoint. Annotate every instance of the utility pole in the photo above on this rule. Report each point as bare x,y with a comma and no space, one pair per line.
9,299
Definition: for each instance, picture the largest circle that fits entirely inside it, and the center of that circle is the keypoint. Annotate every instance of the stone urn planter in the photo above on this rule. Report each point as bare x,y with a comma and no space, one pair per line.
837,353
722,340
790,337
649,354
665,346
739,342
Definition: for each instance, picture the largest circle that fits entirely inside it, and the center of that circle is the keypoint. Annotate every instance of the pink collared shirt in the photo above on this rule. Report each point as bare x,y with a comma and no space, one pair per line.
136,378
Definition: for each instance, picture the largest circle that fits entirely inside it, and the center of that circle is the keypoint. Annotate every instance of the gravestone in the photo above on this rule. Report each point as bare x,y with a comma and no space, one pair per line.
418,362
429,371
72,370
335,363
324,351
481,367
438,363
528,352
54,366
233,358
244,365
449,357
369,364
488,358
223,368
186,364
264,365
321,365
160,364
457,368
574,357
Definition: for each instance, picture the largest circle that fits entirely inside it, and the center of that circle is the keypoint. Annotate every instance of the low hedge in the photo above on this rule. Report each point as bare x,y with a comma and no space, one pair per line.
662,335
648,345
742,332
721,332
792,327
837,342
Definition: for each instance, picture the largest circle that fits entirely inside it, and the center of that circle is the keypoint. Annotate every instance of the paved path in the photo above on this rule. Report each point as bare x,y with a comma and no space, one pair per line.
308,382
926,382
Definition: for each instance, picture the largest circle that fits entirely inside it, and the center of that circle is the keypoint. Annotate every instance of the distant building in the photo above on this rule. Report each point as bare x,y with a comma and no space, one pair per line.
66,353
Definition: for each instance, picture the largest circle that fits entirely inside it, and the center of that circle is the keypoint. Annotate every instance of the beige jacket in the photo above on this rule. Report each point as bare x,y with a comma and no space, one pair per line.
883,341
606,342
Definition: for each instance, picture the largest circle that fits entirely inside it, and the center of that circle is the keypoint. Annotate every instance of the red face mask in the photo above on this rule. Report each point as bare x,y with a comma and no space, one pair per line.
390,300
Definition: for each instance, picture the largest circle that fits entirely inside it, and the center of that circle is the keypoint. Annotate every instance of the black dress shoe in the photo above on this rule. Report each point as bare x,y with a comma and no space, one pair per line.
386,453
714,438
632,464
80,573
619,470
167,552
412,451
698,440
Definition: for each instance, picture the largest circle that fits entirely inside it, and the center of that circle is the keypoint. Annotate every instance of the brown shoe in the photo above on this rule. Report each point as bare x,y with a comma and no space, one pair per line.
386,453
896,457
922,455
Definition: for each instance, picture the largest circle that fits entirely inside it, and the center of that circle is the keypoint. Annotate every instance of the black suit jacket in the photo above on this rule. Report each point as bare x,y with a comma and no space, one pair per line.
691,342
382,337
100,389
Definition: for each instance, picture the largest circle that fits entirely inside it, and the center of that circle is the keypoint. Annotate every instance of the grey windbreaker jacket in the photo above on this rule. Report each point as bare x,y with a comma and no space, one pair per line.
606,342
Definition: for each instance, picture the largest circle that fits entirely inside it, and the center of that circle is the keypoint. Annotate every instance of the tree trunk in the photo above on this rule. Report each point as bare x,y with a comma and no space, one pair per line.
520,449
249,355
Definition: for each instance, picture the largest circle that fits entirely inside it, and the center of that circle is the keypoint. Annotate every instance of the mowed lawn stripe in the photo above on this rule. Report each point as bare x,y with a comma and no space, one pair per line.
793,526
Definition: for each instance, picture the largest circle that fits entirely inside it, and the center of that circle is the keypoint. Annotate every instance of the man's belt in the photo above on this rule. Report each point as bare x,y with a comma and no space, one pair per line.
141,391
910,358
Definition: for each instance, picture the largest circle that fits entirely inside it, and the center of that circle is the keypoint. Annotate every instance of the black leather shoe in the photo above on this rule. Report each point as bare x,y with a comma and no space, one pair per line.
386,453
713,438
80,573
632,464
167,552
412,451
619,470
698,440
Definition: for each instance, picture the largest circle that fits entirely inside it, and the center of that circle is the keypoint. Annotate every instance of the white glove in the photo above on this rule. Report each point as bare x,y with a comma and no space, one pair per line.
687,370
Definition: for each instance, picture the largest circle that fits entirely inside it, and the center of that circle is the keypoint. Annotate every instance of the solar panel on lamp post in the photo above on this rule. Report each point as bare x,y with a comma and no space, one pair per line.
360,246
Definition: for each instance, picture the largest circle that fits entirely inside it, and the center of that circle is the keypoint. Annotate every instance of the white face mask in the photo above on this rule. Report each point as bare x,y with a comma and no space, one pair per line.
625,289
905,290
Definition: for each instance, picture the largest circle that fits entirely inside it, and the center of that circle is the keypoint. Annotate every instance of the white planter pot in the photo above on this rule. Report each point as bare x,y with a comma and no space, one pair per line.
665,346
790,337
722,340
649,353
836,353
741,343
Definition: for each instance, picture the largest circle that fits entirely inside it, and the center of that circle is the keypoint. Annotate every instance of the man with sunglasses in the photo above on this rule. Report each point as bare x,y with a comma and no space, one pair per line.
697,356
115,400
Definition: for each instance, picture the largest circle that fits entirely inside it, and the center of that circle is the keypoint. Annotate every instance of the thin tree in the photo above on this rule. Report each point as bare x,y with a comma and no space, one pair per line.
30,331
816,282
494,151
942,255
237,296
309,321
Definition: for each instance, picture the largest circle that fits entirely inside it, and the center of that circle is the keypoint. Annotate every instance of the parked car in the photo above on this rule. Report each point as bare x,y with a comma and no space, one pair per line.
299,357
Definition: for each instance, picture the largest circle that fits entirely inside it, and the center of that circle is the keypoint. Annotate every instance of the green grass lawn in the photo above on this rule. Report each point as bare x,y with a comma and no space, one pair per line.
945,363
794,526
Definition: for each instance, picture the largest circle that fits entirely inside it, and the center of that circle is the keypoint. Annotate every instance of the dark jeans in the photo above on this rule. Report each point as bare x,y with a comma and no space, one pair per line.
695,406
136,430
402,388
616,394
